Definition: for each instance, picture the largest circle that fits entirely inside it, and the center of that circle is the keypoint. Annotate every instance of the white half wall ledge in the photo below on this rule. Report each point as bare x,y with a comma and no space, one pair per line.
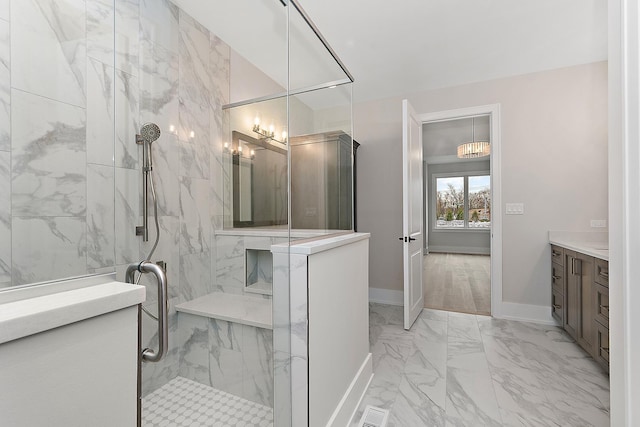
526,313
386,296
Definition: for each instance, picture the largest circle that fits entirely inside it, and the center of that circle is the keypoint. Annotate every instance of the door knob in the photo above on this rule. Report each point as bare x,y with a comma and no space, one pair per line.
411,239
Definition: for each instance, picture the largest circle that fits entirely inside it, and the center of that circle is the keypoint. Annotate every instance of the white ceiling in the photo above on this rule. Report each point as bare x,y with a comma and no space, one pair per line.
396,48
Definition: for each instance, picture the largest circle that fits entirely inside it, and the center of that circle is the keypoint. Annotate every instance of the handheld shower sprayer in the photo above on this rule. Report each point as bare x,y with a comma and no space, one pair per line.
149,132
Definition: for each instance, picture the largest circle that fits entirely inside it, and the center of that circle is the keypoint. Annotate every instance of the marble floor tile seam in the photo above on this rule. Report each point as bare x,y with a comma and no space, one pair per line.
546,390
543,336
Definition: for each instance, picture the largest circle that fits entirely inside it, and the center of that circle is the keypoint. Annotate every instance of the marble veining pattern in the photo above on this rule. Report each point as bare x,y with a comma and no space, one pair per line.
127,204
100,216
454,369
159,23
100,114
48,157
159,82
127,121
127,43
229,356
100,30
48,40
195,227
47,247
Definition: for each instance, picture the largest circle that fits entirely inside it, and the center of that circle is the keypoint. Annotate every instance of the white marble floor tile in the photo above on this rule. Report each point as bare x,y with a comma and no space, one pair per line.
455,369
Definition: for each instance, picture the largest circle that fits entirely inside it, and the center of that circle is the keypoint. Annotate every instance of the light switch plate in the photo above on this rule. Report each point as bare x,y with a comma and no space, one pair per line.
598,223
515,209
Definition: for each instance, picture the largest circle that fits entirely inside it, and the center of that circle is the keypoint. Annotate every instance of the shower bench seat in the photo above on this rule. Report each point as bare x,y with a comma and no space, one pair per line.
246,310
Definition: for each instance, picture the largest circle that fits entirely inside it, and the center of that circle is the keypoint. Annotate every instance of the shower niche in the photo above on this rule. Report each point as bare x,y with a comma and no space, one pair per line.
259,271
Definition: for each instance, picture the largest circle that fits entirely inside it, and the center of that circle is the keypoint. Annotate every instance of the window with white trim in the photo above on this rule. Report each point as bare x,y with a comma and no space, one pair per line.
462,201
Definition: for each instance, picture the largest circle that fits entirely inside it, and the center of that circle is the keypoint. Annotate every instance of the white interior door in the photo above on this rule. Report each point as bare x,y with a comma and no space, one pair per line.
412,213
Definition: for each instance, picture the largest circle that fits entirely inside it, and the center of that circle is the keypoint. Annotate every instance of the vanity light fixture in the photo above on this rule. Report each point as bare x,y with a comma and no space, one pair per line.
474,149
268,135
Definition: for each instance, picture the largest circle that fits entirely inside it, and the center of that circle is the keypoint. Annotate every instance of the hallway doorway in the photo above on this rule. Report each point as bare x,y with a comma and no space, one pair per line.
462,232
458,282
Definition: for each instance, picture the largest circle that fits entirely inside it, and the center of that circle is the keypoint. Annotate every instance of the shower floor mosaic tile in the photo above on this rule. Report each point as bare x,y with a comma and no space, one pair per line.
182,402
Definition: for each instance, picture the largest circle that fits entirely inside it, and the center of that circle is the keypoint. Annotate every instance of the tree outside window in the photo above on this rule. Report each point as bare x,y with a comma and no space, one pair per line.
463,202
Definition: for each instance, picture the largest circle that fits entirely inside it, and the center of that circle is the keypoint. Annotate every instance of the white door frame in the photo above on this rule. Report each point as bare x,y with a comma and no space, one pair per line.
493,110
624,203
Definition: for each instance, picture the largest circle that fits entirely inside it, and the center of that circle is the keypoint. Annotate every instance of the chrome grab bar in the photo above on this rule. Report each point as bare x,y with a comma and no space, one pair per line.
149,355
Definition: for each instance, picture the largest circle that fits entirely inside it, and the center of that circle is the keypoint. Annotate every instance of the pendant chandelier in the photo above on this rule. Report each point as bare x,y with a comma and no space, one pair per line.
473,149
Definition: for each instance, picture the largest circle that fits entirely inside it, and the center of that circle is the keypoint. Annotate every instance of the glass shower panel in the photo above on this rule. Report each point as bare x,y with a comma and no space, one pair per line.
321,151
57,98
192,60
255,165
312,63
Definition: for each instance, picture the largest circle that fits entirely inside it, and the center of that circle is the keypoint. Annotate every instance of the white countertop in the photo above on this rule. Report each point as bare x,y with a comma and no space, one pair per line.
54,308
320,244
247,310
595,244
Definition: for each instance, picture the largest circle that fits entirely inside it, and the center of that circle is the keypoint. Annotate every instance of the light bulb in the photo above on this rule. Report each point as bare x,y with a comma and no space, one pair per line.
226,145
253,153
256,121
172,129
192,134
284,135
239,148
271,128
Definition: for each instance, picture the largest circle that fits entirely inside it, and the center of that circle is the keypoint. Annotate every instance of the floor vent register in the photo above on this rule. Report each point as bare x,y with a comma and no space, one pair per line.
374,417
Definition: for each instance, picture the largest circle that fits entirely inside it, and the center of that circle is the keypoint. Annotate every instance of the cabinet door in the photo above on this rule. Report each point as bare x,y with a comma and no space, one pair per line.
602,272
601,304
557,306
586,332
601,347
557,278
571,295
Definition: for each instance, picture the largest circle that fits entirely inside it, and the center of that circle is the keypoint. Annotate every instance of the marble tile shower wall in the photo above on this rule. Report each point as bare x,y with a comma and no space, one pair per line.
229,356
74,91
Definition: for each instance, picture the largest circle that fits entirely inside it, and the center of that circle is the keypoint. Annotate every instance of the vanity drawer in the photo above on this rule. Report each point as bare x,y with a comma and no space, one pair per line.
601,304
557,278
601,347
601,274
557,254
557,306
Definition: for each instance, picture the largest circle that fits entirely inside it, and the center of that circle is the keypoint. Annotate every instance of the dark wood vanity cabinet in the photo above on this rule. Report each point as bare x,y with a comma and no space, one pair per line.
557,283
600,309
578,321
580,299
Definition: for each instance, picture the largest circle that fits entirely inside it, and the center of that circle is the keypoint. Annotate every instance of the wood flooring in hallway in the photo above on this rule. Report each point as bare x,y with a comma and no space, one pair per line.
457,282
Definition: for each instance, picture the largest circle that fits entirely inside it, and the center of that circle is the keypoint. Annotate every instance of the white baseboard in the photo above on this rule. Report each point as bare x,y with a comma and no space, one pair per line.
386,296
525,313
349,403
460,250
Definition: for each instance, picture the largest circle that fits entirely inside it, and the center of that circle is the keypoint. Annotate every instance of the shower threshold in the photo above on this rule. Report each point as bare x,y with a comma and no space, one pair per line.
186,403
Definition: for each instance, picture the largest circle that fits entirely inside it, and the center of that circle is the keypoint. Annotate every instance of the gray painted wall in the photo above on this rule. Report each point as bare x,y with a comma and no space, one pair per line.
554,160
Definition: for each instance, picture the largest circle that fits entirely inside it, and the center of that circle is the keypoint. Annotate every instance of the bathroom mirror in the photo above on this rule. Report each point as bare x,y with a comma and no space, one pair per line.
259,182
